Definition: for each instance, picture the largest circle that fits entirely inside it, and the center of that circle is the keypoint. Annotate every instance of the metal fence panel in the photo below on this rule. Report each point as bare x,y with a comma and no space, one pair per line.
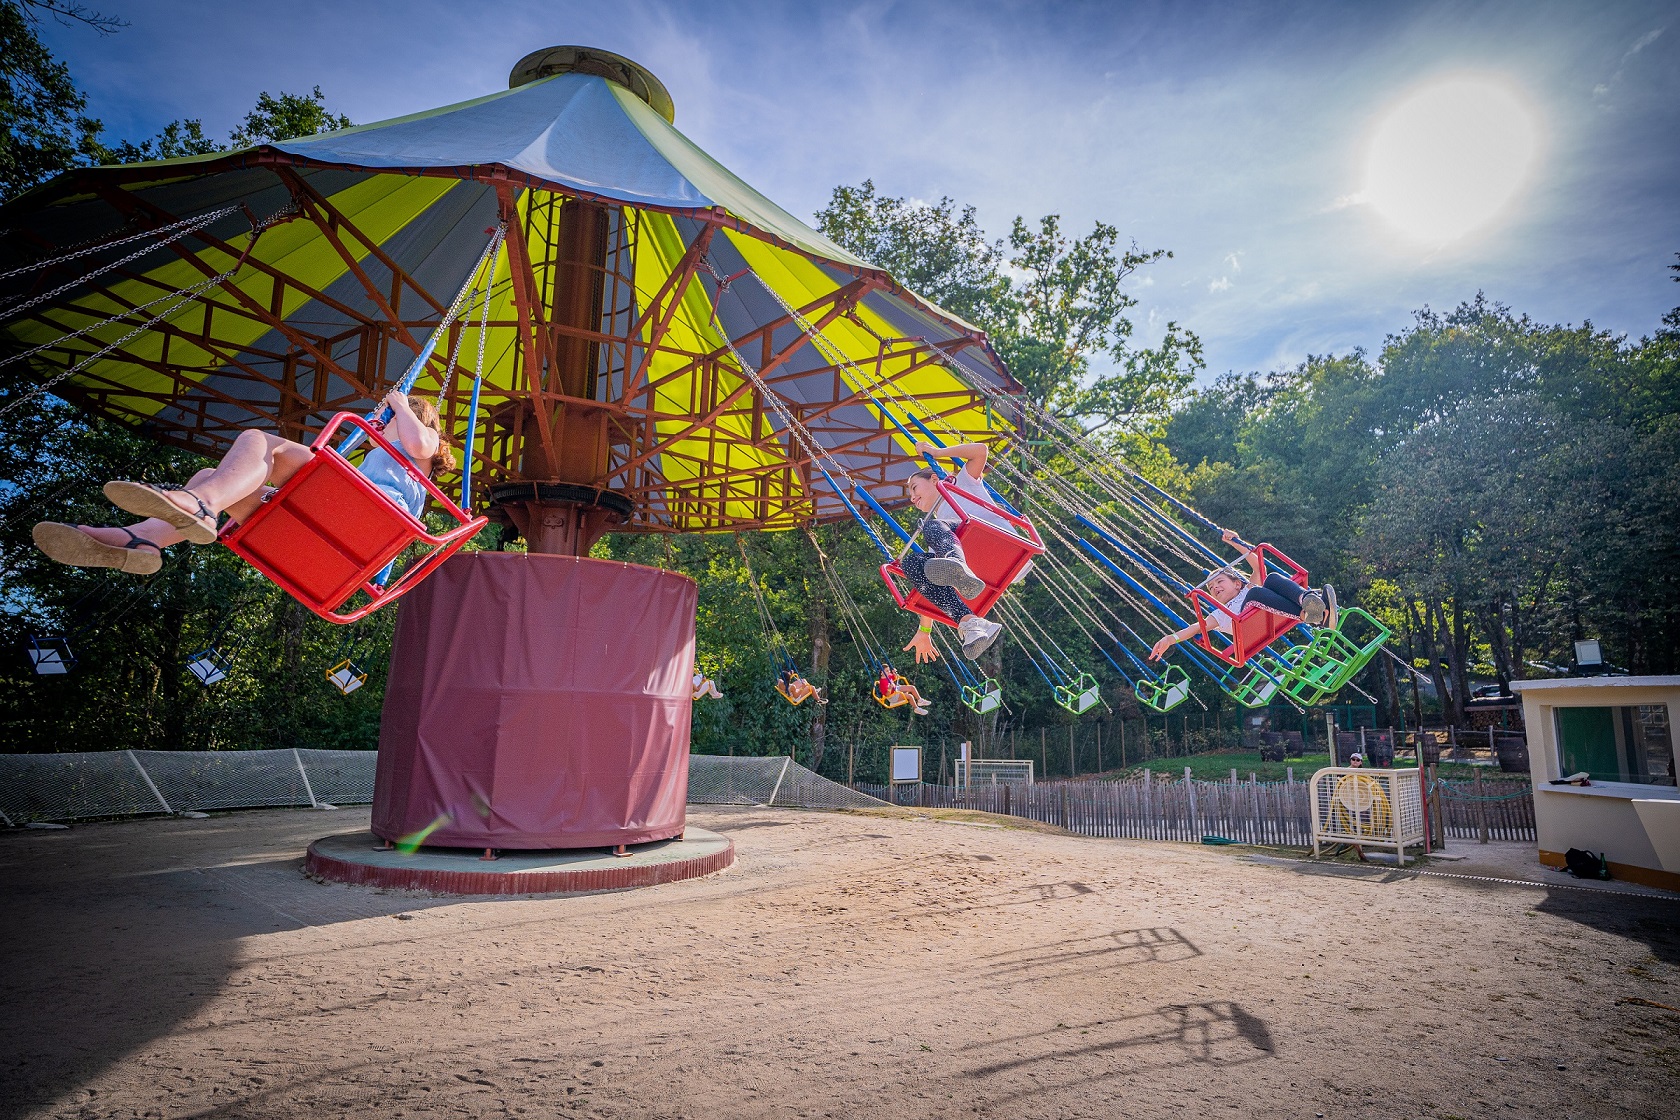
773,780
227,779
340,777
55,787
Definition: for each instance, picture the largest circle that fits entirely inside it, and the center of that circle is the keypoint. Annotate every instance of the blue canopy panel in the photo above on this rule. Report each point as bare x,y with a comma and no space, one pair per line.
569,130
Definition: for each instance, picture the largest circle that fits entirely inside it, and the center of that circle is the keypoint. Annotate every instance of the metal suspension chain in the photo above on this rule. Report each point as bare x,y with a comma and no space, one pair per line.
176,231
478,373
1089,459
379,414
187,295
1073,501
1017,629
848,606
781,650
472,294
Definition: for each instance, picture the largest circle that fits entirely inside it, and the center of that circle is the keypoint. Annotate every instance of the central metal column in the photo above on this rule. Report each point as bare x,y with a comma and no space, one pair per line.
564,510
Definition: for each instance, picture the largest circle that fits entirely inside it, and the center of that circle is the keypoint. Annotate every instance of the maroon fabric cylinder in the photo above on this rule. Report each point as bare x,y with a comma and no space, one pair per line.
538,702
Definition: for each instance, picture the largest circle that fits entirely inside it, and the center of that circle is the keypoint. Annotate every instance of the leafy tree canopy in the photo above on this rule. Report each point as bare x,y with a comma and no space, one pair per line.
44,126
1056,308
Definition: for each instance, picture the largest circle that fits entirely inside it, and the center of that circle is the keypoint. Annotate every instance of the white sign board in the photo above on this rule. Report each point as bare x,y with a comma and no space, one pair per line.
906,764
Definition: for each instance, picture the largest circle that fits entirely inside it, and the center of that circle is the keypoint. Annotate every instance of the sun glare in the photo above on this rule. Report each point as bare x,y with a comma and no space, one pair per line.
1448,158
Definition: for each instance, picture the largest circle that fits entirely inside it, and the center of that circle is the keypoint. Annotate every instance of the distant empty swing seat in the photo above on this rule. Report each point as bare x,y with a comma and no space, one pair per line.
1165,694
1080,696
996,555
1252,630
328,532
985,697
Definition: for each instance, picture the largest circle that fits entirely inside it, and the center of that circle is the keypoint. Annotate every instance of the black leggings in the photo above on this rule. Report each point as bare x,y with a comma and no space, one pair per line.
938,539
1279,594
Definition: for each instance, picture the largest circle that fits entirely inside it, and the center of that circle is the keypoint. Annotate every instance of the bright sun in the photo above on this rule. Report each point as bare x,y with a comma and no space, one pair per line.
1448,158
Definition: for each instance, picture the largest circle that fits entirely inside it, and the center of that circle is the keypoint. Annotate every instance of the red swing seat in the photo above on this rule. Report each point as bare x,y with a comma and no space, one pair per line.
326,533
1252,630
996,555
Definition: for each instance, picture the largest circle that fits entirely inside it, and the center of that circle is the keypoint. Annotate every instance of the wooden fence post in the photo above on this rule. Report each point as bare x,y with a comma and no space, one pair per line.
1481,809
1435,804
1195,816
1149,797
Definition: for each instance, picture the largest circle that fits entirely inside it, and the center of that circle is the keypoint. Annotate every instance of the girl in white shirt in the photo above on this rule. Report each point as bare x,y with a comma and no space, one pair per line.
1276,593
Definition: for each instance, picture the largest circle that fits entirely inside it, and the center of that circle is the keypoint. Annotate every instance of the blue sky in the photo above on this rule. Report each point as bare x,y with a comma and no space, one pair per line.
1233,134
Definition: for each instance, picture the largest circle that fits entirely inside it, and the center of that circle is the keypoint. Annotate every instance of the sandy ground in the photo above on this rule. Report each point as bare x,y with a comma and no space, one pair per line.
849,965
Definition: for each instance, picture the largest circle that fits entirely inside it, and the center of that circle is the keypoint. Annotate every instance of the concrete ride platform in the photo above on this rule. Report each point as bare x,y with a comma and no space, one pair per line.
362,859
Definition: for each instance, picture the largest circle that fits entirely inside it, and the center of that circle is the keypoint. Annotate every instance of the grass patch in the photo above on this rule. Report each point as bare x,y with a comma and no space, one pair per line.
1216,766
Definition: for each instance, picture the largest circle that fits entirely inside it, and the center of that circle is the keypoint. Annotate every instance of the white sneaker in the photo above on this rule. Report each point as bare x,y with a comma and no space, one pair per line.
948,571
1333,616
977,635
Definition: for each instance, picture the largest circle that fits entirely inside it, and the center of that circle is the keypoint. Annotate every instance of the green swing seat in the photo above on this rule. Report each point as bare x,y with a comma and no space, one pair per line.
1313,673
1080,696
985,697
1266,675
1324,666
1165,694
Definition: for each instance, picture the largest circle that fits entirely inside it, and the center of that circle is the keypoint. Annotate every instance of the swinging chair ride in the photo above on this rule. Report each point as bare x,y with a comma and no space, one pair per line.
621,335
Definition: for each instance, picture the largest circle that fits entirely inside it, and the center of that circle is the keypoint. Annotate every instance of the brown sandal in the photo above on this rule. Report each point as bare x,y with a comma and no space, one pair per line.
145,500
71,545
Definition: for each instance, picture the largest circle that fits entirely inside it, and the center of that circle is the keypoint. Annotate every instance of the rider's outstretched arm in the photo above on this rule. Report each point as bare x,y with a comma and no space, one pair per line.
1256,562
972,454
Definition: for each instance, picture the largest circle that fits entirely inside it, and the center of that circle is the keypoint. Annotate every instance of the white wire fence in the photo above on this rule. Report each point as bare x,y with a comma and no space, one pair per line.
63,787
60,787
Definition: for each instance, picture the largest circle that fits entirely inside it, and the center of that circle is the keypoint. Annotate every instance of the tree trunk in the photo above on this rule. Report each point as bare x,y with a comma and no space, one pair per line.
1456,641
1396,716
817,614
1428,631
1493,625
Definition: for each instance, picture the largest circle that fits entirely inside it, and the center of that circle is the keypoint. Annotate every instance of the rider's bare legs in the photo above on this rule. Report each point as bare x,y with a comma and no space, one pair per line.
234,486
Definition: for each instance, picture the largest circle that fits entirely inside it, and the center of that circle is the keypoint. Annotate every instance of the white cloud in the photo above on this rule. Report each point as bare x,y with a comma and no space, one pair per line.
1236,130
1645,40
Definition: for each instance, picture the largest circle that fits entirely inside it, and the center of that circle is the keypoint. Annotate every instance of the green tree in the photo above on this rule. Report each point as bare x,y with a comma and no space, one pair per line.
275,117
935,250
177,138
1072,309
1062,322
287,115
44,125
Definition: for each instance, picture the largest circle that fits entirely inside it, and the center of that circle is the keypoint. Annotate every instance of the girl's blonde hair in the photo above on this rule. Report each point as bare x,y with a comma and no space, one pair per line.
426,412
1230,572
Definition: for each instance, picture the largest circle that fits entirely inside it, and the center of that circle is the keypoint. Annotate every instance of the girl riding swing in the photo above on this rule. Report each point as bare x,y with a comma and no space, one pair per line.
1274,593
941,573
256,463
